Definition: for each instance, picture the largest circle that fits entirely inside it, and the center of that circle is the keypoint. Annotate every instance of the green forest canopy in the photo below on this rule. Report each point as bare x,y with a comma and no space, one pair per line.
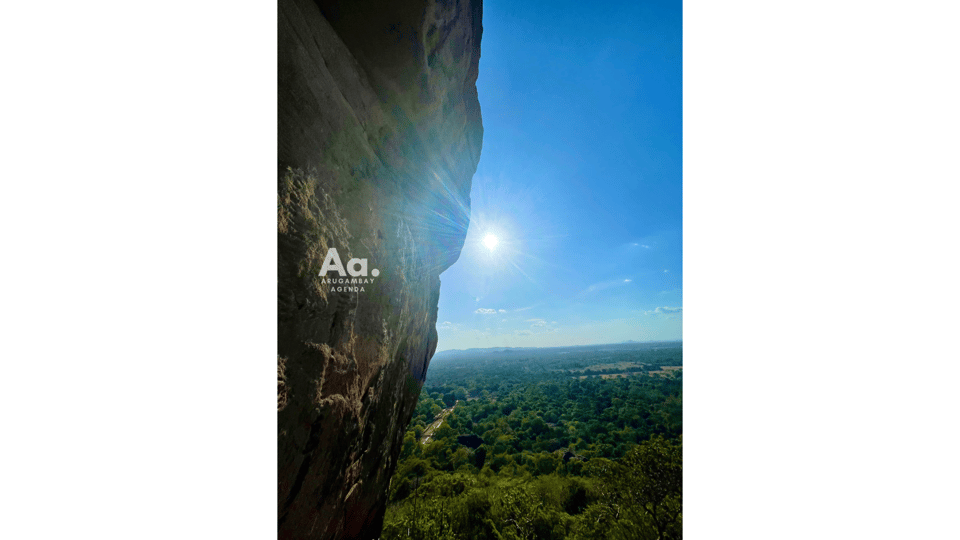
576,442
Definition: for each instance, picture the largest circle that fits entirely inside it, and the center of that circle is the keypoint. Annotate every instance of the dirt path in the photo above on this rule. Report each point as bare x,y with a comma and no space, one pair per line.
427,433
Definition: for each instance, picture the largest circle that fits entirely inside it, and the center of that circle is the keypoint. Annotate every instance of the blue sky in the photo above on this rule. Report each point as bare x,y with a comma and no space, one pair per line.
579,180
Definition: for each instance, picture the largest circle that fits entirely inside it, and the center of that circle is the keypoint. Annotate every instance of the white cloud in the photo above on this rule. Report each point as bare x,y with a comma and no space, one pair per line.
537,322
665,310
502,310
485,311
603,285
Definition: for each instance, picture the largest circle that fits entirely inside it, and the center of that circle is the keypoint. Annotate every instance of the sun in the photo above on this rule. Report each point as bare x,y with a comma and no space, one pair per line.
490,241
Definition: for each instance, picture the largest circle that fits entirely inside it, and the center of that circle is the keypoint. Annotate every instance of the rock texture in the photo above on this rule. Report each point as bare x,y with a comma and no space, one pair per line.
379,134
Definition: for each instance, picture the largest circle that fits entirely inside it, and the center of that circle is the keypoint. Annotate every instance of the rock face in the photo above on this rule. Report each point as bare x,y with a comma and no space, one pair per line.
379,135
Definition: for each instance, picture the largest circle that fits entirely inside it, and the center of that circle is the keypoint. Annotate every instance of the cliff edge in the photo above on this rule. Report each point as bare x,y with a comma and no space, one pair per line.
379,135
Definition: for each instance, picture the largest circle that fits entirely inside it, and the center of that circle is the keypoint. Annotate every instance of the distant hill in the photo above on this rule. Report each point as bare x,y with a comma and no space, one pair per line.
508,351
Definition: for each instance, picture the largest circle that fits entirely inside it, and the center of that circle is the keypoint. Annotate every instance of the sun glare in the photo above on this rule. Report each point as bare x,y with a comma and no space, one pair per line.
490,241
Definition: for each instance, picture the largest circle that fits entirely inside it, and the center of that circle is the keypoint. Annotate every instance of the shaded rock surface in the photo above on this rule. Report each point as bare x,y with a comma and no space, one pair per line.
379,135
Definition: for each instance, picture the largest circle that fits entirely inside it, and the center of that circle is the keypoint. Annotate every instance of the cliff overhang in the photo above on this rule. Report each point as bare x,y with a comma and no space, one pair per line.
379,135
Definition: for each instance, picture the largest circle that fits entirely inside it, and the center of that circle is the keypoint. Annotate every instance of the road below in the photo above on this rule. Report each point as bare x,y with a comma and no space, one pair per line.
427,433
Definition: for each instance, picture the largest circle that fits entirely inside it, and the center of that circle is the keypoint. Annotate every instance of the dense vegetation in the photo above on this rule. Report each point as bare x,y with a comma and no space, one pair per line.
582,442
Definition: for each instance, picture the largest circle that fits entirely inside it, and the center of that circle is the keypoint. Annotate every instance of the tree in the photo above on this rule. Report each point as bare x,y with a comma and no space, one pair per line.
409,445
547,463
655,473
449,399
480,457
521,512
